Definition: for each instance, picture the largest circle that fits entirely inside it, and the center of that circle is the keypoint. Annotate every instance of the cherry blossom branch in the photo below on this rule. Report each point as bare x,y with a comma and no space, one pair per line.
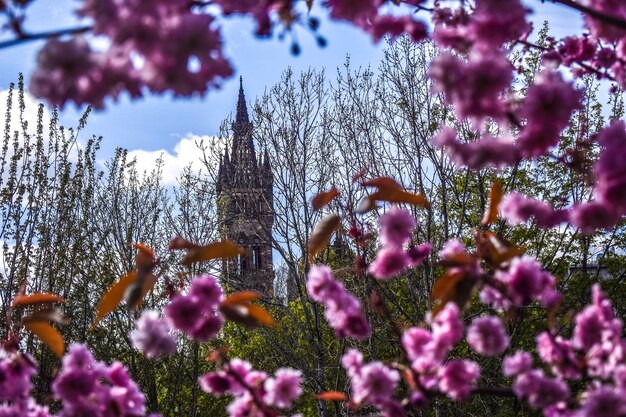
610,19
44,35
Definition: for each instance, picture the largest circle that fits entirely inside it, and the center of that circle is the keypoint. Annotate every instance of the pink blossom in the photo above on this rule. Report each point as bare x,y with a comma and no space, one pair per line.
525,280
485,152
603,402
518,208
487,336
396,227
458,377
152,335
343,310
495,22
518,363
473,87
539,390
559,354
447,326
196,314
284,388
389,263
610,169
547,109
602,29
375,384
574,49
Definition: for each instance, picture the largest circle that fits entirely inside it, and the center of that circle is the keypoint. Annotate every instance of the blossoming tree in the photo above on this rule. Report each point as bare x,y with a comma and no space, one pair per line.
574,369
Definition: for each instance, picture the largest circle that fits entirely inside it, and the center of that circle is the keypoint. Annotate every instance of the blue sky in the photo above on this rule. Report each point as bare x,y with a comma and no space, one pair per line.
160,122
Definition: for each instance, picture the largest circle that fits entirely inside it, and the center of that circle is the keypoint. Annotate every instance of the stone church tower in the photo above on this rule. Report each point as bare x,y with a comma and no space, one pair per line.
245,207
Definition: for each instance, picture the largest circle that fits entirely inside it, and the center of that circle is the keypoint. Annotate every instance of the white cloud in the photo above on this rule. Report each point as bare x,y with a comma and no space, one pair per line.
187,152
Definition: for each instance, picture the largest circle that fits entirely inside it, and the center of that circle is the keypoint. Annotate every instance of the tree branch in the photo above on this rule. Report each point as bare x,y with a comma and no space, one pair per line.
44,35
605,17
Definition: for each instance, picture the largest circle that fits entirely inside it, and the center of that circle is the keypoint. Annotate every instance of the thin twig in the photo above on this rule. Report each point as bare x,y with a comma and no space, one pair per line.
44,35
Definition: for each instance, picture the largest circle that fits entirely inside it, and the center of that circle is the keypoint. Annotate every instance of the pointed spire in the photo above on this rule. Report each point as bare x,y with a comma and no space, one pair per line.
242,110
266,160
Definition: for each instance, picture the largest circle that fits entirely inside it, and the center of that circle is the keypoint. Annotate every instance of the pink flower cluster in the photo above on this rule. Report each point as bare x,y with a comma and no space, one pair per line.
596,351
609,205
343,310
152,335
84,386
396,229
427,351
196,313
159,44
366,15
487,336
254,391
373,383
521,283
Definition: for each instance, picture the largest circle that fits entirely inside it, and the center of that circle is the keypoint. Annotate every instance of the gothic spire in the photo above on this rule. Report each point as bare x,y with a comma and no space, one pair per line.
242,129
242,110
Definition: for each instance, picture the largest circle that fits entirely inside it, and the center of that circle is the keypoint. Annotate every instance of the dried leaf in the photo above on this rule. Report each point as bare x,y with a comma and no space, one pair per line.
365,205
458,259
322,199
458,290
113,297
359,174
495,196
217,355
223,249
247,314
54,315
48,335
331,396
321,234
382,183
181,243
137,291
37,298
445,284
495,249
399,196
242,297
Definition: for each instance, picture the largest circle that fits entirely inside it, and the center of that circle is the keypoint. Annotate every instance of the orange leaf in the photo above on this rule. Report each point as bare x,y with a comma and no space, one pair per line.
145,260
399,196
113,297
323,198
54,315
331,396
495,196
223,249
247,314
48,335
382,183
261,316
242,297
37,298
321,234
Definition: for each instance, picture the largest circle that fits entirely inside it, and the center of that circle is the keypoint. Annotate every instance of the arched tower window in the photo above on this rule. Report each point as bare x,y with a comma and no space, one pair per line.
256,254
242,260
